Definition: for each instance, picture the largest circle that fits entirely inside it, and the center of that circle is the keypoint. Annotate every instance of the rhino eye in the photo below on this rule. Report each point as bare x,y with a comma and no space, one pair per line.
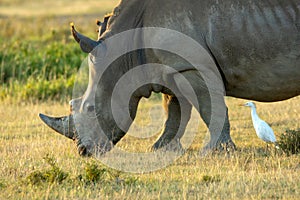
91,58
87,107
90,108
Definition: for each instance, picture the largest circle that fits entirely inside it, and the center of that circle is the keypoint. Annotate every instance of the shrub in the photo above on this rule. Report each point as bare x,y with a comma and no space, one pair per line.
289,142
93,173
2,184
98,174
36,178
52,175
210,179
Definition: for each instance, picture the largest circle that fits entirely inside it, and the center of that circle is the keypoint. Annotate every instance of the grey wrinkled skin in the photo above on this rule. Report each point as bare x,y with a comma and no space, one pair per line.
255,45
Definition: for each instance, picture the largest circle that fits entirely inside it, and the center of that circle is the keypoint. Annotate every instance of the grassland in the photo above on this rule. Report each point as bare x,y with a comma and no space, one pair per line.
38,60
249,173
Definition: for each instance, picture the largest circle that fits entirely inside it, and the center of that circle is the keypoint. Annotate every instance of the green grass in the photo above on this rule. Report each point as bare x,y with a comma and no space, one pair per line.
38,63
38,56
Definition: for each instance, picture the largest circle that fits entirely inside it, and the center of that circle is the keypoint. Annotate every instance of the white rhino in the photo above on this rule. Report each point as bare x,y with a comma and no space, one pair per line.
254,46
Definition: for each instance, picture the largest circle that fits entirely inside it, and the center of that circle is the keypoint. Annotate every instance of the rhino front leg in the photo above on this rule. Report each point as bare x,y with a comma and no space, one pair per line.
211,106
178,112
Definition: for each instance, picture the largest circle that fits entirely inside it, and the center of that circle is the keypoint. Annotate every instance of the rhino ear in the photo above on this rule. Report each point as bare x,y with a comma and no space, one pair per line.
86,44
103,25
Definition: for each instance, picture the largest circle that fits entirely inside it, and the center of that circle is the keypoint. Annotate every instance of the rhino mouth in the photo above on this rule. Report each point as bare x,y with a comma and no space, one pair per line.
97,150
83,150
66,127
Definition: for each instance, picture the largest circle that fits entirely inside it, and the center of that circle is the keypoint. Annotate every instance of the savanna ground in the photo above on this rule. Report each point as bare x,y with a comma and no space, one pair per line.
38,62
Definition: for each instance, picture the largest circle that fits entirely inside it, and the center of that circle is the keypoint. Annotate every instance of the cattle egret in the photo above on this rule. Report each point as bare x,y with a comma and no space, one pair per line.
262,129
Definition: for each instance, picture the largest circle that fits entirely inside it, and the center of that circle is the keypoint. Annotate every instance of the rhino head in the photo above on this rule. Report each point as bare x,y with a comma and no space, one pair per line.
94,133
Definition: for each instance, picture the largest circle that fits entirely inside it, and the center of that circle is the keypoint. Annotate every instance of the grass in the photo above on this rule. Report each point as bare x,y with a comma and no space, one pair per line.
248,173
36,48
38,60
58,7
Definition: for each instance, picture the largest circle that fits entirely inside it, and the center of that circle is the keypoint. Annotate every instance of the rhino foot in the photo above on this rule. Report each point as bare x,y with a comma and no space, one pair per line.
227,147
173,145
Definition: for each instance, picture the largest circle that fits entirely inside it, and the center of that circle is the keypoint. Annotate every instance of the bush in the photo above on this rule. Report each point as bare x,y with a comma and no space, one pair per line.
52,175
2,184
210,179
93,173
289,142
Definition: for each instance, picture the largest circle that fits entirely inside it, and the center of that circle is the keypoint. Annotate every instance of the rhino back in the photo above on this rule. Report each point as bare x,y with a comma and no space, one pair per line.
257,47
256,44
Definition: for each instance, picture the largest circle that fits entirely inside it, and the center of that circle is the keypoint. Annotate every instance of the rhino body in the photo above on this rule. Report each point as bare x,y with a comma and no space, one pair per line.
254,45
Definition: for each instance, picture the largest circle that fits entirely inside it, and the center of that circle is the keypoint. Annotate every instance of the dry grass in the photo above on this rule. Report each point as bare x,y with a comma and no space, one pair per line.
249,173
35,8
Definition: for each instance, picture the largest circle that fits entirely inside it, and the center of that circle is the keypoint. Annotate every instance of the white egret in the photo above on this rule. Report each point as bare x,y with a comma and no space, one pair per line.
262,129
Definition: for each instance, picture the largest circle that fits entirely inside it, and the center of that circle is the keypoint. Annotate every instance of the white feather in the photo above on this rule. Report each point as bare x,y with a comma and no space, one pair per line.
262,129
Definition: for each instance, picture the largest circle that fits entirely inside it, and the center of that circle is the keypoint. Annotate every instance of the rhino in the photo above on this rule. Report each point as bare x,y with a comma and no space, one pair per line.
252,47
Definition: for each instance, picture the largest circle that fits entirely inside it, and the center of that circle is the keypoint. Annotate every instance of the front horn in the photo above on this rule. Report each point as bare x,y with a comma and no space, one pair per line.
86,44
63,125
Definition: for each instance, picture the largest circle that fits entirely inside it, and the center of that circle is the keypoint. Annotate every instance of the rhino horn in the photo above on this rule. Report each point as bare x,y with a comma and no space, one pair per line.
63,125
86,44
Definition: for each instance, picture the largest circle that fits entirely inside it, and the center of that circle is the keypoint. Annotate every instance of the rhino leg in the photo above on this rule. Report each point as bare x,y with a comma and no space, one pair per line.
175,124
215,115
